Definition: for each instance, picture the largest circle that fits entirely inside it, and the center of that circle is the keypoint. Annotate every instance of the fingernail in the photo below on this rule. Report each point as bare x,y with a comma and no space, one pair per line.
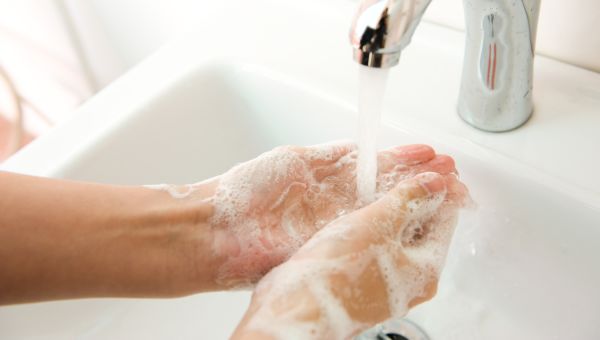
443,160
413,149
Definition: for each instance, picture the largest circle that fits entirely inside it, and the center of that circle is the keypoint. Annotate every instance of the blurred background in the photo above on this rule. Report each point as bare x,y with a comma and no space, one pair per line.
55,54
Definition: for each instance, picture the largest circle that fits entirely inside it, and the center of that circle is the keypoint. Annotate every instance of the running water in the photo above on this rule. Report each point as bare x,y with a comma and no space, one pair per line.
372,83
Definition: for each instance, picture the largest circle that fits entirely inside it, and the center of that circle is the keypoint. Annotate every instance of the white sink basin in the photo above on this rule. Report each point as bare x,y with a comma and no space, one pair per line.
522,266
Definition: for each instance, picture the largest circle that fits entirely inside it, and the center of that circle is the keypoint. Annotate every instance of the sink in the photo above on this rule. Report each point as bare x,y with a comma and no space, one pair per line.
521,266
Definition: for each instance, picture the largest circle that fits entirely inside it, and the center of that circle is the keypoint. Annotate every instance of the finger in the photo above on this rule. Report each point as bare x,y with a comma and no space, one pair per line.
442,164
406,155
414,197
438,229
378,222
423,185
458,194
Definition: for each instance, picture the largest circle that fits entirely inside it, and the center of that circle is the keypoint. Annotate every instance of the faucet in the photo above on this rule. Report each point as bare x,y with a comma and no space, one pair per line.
496,87
497,79
381,29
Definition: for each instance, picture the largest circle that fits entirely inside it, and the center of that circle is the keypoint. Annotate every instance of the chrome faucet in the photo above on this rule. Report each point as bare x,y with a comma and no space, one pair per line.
497,80
381,29
496,88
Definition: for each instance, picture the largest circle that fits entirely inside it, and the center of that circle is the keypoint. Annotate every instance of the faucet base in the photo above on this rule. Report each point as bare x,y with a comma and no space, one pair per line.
497,79
492,126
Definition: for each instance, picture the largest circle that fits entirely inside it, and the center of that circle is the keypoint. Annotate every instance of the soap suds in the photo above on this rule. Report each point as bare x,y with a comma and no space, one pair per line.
273,204
268,208
176,191
406,266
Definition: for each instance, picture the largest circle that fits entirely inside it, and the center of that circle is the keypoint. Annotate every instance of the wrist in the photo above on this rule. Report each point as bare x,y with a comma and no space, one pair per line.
179,241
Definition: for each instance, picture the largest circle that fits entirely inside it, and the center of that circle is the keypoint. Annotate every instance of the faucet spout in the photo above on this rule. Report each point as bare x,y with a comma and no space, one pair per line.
381,29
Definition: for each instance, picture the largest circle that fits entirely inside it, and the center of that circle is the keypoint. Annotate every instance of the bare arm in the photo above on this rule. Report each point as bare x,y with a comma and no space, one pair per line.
63,239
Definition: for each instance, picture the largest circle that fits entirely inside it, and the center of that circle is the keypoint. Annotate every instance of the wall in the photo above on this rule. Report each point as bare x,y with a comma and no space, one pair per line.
52,58
37,55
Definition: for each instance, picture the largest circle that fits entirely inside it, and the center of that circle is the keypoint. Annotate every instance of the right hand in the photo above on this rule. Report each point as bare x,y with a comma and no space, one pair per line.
363,268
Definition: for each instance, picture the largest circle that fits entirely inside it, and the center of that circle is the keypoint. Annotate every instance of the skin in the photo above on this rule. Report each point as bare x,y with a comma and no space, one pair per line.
288,199
283,300
63,239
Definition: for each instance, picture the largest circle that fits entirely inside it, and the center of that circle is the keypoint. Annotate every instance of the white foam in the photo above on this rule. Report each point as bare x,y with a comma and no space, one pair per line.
406,268
277,195
178,192
327,151
424,242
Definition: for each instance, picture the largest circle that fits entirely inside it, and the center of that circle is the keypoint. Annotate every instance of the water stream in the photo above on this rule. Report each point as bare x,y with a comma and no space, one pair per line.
372,83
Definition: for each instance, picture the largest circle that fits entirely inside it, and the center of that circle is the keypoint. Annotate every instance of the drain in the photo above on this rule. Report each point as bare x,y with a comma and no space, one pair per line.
391,336
395,329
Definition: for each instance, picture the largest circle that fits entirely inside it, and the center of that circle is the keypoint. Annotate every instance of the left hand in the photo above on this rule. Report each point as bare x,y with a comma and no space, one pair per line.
267,208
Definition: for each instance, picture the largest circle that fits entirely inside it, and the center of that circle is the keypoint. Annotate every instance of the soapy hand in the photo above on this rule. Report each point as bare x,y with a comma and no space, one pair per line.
222,233
267,208
362,268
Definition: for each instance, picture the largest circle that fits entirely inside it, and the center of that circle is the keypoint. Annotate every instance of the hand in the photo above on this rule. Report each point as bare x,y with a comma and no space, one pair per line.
267,208
363,268
91,240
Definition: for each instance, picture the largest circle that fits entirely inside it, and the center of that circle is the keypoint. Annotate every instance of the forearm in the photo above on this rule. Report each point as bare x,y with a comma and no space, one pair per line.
62,239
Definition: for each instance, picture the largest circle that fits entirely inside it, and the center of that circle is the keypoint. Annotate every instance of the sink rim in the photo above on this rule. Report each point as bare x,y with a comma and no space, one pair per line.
47,155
